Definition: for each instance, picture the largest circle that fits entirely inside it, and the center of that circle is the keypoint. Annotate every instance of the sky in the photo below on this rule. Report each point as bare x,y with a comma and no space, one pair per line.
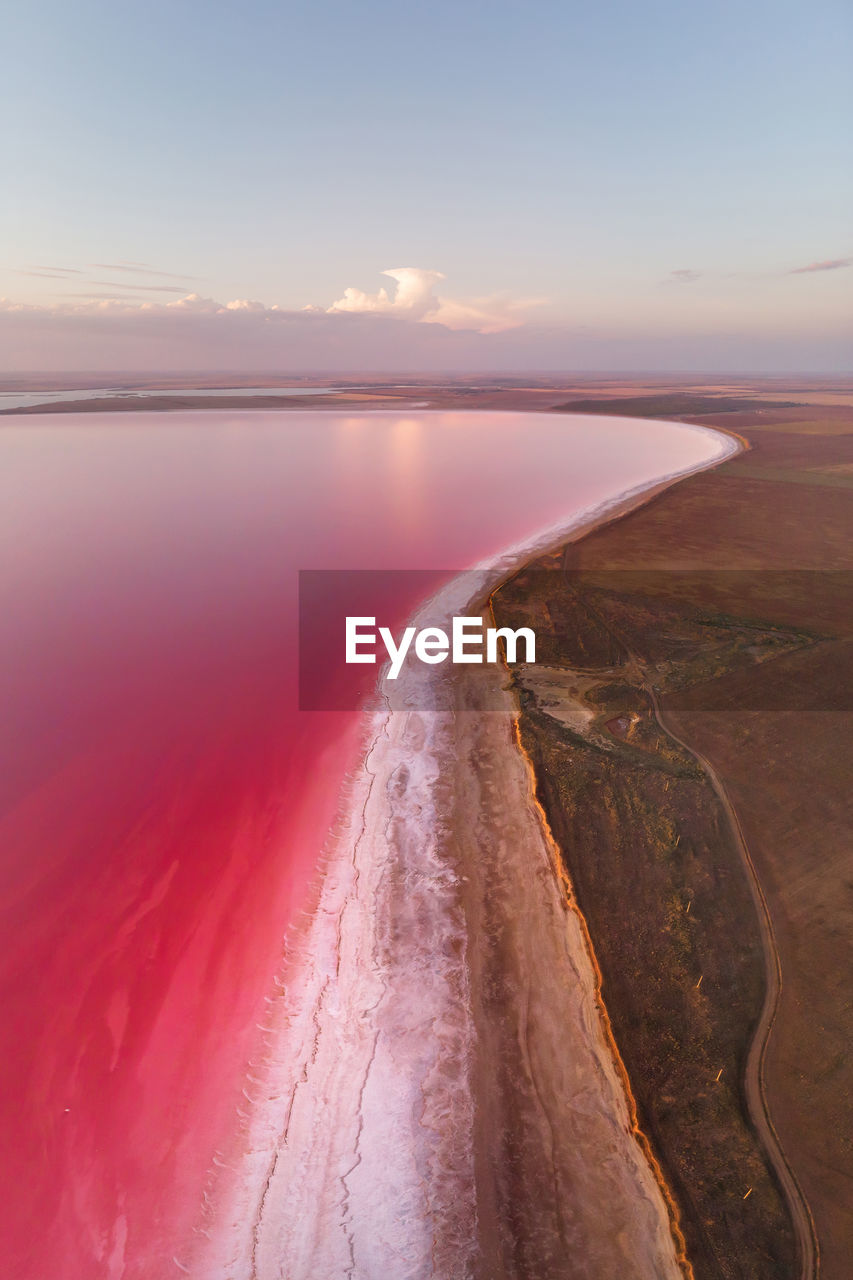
340,186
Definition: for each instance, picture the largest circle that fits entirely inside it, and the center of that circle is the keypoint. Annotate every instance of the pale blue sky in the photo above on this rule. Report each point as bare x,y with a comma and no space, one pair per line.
577,153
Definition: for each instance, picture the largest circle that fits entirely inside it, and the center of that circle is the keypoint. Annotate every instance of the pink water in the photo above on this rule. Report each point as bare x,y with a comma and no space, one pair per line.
162,800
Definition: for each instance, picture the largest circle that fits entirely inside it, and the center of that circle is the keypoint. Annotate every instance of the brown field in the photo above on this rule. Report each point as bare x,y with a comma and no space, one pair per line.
746,656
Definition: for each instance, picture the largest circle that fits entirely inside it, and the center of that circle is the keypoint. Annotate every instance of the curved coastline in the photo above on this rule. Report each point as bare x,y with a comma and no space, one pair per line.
364,1148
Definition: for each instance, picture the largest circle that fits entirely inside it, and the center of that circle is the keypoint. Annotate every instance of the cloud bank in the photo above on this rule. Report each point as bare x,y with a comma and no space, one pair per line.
407,324
410,326
122,332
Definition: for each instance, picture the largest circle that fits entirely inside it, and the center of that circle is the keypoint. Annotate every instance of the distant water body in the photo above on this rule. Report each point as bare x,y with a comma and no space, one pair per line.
29,399
163,802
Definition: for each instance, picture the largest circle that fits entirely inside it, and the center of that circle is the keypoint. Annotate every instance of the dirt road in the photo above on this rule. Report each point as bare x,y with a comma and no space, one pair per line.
754,1070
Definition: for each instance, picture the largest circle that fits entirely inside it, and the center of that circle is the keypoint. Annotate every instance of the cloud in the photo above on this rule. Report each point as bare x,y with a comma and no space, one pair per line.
42,275
829,264
201,306
685,275
491,314
124,268
49,273
139,269
414,299
247,304
141,288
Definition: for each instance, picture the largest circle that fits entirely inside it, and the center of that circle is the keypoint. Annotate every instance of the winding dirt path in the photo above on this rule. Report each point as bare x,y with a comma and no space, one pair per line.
756,1098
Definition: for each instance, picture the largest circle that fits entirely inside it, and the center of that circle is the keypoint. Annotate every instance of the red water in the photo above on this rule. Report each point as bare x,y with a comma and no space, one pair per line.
162,800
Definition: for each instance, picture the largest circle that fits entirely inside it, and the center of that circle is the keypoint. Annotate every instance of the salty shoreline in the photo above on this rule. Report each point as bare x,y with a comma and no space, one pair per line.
423,1108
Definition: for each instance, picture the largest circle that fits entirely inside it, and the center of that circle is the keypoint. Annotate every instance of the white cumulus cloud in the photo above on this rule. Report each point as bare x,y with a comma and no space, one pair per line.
414,298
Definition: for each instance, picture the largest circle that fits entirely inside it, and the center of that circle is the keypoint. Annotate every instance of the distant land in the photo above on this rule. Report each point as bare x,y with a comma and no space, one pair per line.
644,395
666,406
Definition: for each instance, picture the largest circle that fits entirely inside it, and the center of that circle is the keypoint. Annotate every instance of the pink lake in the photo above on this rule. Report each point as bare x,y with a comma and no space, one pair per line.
163,802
